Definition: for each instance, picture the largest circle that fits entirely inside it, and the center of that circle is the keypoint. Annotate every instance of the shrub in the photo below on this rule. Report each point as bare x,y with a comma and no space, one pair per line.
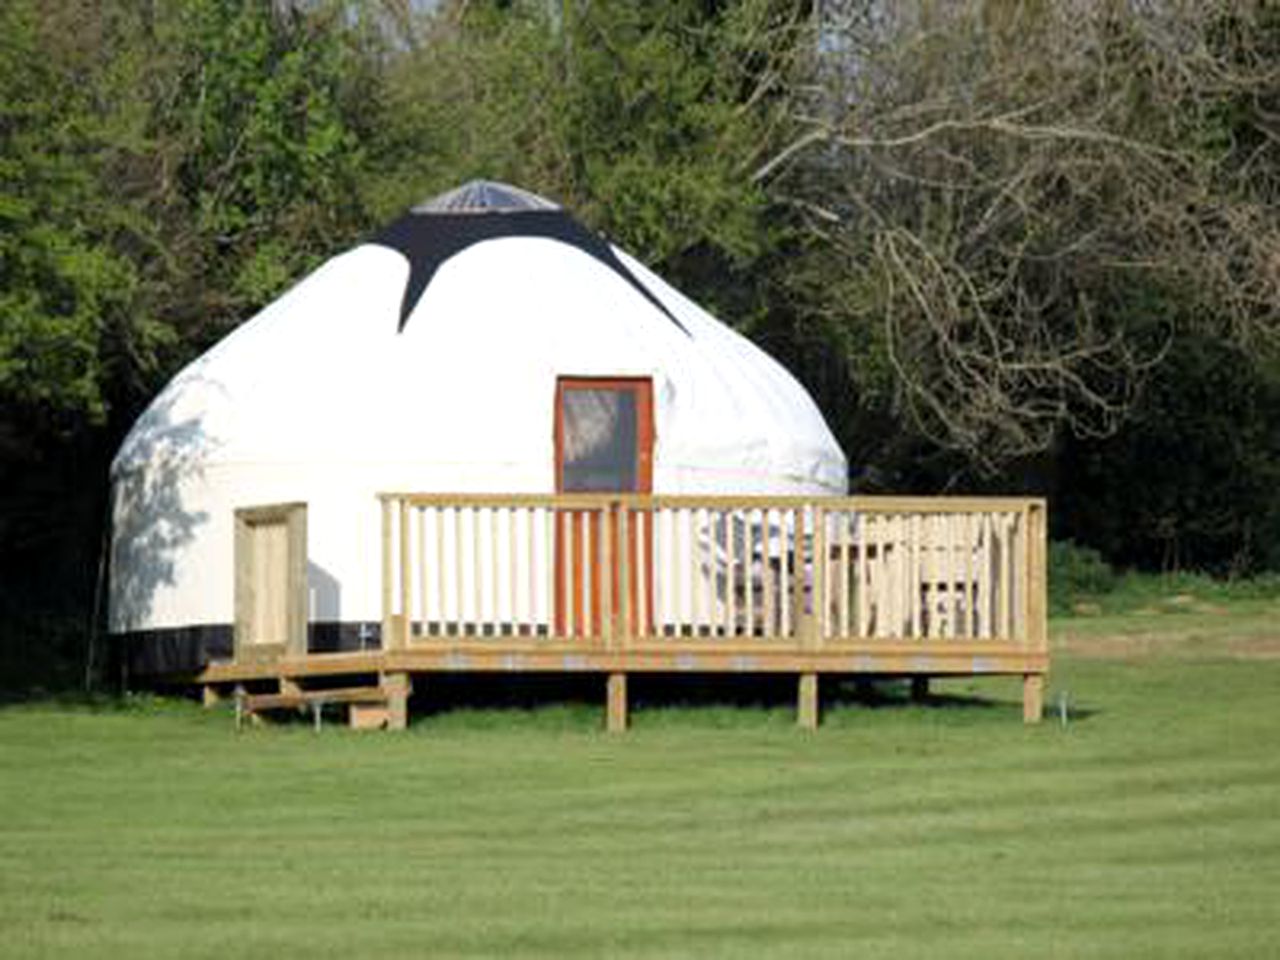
1075,573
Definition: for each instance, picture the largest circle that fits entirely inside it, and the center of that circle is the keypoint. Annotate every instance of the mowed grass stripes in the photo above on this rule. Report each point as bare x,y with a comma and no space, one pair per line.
1148,826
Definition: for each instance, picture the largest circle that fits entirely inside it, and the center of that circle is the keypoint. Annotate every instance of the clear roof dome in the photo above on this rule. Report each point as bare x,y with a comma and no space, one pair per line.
485,196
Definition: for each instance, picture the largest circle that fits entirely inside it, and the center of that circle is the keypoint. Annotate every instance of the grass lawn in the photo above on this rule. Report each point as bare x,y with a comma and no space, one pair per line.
1147,826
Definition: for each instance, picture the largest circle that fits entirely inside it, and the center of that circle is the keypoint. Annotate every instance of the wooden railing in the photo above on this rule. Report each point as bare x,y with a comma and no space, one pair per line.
614,572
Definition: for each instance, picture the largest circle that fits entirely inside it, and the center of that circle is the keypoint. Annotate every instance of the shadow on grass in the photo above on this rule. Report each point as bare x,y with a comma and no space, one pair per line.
571,701
576,702
442,694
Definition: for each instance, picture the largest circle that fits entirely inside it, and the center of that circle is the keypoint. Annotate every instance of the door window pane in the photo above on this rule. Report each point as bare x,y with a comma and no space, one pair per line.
599,437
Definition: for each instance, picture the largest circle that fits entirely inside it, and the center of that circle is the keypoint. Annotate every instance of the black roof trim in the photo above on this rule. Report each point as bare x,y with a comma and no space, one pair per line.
429,239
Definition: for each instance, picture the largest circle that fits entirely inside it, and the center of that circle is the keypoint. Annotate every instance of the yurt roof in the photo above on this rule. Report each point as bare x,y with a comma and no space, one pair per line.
435,340
438,229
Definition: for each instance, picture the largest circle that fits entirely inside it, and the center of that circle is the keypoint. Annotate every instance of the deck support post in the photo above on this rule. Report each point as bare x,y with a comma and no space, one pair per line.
1032,697
807,702
398,688
210,695
616,713
289,687
919,689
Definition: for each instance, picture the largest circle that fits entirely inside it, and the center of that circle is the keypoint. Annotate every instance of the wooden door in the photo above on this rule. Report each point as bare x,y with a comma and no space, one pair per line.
604,444
271,582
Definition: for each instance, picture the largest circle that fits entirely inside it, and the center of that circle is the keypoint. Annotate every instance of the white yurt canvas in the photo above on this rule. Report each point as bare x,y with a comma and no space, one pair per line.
432,358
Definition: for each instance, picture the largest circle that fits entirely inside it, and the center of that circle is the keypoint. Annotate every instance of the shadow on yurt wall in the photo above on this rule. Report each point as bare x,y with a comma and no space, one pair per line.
151,520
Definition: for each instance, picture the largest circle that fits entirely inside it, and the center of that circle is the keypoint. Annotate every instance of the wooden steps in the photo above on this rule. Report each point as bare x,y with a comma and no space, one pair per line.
368,707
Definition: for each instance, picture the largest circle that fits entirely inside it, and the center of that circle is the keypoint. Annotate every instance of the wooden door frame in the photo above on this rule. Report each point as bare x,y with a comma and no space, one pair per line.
588,620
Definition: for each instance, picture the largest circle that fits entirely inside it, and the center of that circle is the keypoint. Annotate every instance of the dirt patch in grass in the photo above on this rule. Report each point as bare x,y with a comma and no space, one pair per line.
1169,643
1182,626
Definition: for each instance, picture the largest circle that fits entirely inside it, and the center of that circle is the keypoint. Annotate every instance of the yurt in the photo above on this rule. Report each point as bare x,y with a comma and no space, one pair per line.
484,342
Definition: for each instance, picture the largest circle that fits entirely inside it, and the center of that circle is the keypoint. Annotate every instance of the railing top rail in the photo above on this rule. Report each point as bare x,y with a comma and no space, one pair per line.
595,501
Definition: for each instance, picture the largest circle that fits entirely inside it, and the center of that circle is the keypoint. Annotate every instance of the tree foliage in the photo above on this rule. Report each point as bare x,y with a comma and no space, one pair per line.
65,289
1021,203
643,119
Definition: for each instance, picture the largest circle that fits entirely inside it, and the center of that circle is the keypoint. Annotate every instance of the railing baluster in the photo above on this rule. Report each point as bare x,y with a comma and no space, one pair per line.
969,547
863,592
529,625
674,557
509,612
1006,580
1011,575
493,626
611,560
821,608
786,575
568,522
746,567
477,570
388,568
730,574
766,575
946,556
925,576
587,619
549,557
883,573
459,573
437,522
697,572
423,569
842,569
645,538
881,613
1021,553
986,580
792,594
406,574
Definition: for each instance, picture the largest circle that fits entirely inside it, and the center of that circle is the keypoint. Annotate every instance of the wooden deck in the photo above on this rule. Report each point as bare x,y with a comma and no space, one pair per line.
615,585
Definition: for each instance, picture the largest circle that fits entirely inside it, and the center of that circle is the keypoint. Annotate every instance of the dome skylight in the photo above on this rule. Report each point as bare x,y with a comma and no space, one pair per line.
485,196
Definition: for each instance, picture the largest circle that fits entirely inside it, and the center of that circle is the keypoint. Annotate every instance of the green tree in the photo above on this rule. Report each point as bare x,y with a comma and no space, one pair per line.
65,291
255,109
643,119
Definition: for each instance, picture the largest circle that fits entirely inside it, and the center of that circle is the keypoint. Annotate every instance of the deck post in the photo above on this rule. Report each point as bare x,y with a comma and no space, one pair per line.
398,687
1037,578
616,715
1037,607
1032,697
210,695
807,702
919,689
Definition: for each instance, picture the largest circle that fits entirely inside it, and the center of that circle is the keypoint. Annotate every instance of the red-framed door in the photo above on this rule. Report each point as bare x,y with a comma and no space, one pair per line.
604,438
